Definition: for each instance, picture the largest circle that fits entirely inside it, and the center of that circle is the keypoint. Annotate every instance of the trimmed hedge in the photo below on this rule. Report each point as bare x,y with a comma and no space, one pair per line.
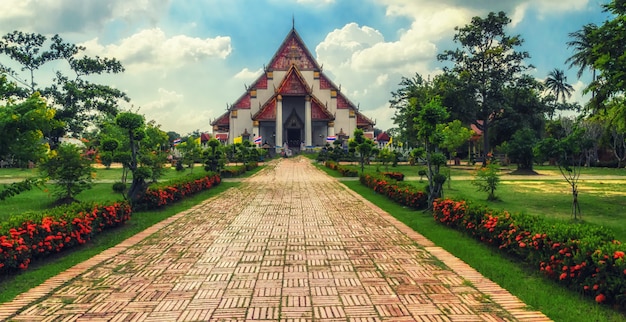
237,170
169,192
584,258
398,176
52,232
345,171
399,192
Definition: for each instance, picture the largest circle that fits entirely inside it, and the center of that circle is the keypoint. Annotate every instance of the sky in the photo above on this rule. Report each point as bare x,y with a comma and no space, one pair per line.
186,61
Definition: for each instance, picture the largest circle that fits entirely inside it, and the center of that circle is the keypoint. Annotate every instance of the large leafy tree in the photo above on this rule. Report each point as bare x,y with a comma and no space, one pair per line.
607,54
78,101
486,63
22,128
407,101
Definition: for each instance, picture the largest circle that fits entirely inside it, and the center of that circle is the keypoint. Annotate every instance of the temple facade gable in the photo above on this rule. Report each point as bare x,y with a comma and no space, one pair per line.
293,103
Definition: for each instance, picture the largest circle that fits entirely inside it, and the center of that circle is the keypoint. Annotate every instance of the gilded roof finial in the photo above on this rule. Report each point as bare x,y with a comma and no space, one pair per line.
293,21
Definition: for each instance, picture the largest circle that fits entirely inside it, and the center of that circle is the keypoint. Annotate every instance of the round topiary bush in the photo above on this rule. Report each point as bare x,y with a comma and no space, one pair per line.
119,187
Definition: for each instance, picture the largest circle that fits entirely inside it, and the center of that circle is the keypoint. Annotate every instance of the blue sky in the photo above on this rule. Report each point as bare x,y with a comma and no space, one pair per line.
186,60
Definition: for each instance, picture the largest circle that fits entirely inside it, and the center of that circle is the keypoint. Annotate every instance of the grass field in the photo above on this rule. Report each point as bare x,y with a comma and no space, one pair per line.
602,193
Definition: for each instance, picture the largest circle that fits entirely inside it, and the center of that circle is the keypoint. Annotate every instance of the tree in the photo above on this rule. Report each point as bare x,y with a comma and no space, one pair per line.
191,152
154,150
407,101
520,148
486,63
606,54
77,100
569,153
364,146
556,83
429,117
455,134
70,169
583,50
22,129
214,156
134,128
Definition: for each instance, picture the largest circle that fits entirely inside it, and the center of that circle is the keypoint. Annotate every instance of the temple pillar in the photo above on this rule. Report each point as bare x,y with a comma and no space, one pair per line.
331,128
308,134
279,123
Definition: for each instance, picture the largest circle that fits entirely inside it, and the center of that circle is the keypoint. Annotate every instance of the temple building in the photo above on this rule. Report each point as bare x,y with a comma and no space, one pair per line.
292,103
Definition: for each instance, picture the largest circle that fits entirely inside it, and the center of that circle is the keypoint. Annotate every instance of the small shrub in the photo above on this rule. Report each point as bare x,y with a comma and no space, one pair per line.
119,187
487,180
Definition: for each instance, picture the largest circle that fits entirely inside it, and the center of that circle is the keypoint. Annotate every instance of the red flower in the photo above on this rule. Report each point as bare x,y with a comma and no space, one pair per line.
600,298
563,276
618,254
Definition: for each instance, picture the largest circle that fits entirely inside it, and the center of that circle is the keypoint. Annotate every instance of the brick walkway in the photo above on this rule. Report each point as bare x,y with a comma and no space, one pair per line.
291,244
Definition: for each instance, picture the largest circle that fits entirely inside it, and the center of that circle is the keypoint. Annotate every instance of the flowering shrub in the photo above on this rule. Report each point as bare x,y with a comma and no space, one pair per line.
399,176
402,193
22,240
345,171
233,171
585,258
161,195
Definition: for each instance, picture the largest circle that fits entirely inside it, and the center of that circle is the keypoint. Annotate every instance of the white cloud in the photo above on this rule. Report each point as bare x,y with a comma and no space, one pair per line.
248,75
69,16
151,49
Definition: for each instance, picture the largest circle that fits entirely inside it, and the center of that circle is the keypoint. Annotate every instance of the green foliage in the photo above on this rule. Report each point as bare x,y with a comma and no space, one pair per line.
78,101
16,188
455,134
487,179
485,65
364,146
520,148
70,170
214,156
427,120
22,129
119,187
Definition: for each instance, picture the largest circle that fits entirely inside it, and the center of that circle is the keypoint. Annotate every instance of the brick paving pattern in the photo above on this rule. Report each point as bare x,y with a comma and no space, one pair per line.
291,244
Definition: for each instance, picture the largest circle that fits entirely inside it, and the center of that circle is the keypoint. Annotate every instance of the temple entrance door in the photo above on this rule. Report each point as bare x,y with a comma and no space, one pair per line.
294,138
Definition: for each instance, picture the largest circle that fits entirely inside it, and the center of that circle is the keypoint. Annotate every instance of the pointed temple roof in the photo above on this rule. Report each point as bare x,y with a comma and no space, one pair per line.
293,56
293,52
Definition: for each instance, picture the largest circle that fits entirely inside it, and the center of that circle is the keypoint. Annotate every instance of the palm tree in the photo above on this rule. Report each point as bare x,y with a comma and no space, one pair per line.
583,49
556,83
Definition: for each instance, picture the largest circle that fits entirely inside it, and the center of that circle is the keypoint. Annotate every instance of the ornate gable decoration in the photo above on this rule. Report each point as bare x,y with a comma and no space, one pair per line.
267,112
222,120
325,83
293,52
261,82
243,102
319,112
363,121
293,84
343,103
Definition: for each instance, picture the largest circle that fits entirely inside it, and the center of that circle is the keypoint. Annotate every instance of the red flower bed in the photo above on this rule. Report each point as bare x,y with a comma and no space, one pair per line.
399,176
582,257
173,191
402,193
53,233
